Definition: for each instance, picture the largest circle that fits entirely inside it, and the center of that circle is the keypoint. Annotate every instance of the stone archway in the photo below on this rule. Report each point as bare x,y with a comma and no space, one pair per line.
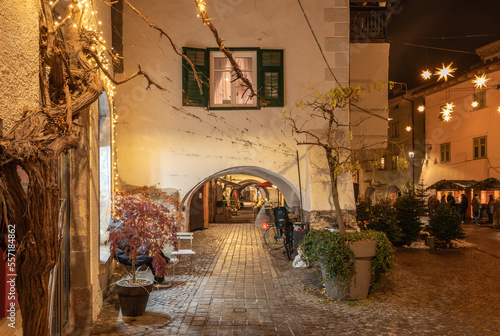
248,183
288,190
393,192
370,195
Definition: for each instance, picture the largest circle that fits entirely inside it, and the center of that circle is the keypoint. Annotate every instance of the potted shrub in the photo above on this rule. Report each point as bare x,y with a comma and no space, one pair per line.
147,222
348,261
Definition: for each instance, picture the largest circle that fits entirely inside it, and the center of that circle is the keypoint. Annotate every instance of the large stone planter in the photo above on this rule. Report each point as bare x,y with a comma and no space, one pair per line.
364,251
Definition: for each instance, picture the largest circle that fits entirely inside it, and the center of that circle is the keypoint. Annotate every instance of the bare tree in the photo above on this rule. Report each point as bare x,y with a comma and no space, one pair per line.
333,134
72,76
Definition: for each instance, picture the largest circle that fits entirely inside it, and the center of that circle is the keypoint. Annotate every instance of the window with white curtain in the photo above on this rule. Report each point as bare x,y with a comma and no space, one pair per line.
219,87
225,89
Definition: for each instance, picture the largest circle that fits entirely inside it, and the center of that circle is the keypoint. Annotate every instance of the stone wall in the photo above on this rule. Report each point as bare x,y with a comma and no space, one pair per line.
327,219
18,59
85,296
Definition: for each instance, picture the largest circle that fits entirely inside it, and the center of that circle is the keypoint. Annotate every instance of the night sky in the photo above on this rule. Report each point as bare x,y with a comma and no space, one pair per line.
449,24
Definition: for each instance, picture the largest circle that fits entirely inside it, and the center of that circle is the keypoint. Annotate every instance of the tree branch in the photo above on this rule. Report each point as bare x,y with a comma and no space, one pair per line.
220,42
126,79
174,47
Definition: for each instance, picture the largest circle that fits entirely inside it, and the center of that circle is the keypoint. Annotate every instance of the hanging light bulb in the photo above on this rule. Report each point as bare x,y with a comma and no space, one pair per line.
479,82
426,74
421,108
445,72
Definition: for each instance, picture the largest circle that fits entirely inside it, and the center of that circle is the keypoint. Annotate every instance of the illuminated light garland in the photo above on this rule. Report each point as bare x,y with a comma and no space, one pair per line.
450,106
84,18
481,81
445,72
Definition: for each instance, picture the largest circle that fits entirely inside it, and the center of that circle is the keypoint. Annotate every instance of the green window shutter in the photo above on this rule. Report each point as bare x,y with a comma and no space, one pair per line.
191,95
271,82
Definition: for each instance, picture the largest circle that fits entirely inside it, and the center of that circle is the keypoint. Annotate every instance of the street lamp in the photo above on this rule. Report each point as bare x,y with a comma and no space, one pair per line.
411,154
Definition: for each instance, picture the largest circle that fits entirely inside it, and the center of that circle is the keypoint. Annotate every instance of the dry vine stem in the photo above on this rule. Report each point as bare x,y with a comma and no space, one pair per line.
220,42
34,145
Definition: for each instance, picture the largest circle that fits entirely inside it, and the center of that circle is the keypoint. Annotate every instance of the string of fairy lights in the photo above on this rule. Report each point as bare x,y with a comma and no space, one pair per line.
82,16
479,81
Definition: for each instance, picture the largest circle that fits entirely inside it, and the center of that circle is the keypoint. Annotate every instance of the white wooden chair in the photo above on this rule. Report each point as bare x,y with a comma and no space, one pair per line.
180,251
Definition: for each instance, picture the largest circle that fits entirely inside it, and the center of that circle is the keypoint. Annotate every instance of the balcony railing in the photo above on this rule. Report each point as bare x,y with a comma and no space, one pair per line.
368,26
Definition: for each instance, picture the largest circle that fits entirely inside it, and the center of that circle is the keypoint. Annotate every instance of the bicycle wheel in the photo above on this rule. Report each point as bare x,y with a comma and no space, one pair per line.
273,238
288,242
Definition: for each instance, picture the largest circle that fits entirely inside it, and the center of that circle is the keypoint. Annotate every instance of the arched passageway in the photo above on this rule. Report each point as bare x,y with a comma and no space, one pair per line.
215,198
393,192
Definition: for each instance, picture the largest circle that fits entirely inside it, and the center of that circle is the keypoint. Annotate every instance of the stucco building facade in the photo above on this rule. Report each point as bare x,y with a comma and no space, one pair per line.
146,136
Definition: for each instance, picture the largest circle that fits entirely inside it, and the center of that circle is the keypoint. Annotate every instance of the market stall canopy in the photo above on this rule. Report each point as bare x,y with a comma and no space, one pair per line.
491,183
453,185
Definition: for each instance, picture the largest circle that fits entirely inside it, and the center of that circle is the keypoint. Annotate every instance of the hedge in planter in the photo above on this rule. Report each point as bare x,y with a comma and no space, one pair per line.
445,225
331,249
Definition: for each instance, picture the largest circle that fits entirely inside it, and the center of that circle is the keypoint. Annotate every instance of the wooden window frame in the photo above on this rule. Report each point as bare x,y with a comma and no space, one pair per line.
268,95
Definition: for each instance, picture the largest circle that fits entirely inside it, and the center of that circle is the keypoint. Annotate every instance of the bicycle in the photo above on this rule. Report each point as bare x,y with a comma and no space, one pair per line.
281,233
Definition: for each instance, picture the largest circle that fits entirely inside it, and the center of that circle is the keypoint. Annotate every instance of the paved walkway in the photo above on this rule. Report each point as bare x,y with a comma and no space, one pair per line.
241,288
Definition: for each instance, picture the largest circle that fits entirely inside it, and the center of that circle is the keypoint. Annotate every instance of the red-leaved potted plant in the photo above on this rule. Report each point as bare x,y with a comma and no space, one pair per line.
146,221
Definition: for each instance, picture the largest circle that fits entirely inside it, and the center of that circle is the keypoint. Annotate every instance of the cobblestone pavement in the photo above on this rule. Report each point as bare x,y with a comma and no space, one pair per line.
242,288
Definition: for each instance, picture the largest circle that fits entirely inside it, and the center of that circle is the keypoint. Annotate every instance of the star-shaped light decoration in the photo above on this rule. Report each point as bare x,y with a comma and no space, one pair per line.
426,74
421,108
445,72
446,112
450,106
408,128
475,104
498,109
479,82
